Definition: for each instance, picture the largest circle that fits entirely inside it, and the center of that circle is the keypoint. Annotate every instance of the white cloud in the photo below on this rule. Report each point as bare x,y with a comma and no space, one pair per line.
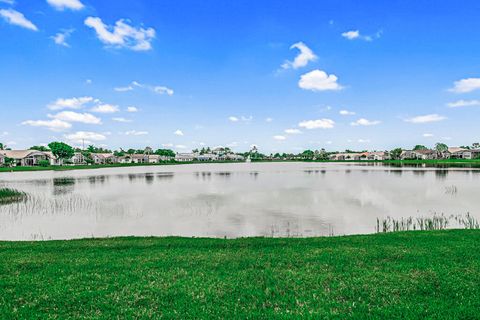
61,38
88,81
302,59
105,108
71,103
66,4
122,35
136,133
268,119
279,138
351,35
318,80
428,135
178,132
464,103
71,116
317,124
163,90
132,109
17,18
10,2
466,85
346,113
426,118
167,145
119,119
355,34
54,125
180,146
365,122
85,137
123,89
233,119
363,140
293,131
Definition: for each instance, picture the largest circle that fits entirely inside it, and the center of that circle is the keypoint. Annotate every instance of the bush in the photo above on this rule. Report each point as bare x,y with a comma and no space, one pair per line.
44,163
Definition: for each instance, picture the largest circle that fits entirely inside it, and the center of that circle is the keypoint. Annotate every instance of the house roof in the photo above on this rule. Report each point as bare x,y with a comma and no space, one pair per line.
455,149
21,154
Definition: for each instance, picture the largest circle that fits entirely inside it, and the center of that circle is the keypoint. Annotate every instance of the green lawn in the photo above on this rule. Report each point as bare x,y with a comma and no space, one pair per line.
408,275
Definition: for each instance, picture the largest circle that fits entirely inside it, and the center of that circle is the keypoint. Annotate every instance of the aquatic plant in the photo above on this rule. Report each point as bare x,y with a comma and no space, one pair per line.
433,222
8,195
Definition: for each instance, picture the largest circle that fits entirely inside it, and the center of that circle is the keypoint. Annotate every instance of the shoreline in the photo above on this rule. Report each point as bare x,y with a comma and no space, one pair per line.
475,163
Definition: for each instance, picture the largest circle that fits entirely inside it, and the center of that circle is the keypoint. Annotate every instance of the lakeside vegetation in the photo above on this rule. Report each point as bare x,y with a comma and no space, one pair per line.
408,275
8,195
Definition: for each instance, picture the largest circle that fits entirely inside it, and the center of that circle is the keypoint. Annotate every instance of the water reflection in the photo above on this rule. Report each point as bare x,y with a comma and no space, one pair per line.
233,200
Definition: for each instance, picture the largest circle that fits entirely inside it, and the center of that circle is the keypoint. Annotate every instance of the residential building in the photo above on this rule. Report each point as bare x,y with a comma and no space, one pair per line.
466,154
27,157
103,158
345,156
206,157
2,160
78,158
185,157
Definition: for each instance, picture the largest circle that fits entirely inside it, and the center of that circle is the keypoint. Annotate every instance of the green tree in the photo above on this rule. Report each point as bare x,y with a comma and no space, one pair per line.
396,153
419,147
441,147
39,148
61,150
1,146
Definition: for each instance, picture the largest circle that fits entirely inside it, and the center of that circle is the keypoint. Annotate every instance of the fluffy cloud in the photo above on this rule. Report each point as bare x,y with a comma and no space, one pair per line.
163,90
54,125
466,85
132,109
71,116
121,120
178,132
355,34
17,18
268,119
351,35
318,80
427,135
122,35
61,38
85,137
293,131
66,4
317,124
279,138
426,118
365,122
105,108
72,103
302,59
464,103
346,113
136,133
233,119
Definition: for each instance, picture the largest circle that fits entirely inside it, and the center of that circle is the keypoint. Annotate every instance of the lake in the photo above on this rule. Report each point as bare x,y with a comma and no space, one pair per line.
230,200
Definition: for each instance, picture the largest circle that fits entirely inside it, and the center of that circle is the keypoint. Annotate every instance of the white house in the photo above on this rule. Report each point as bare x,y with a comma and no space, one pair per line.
184,157
376,156
103,158
2,160
466,154
345,156
78,158
27,157
207,157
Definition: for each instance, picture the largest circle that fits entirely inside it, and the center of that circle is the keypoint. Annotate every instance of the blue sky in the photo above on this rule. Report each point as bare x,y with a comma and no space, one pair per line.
283,75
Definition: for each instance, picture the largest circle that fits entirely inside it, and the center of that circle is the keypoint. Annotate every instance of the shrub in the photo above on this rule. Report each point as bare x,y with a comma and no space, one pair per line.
44,163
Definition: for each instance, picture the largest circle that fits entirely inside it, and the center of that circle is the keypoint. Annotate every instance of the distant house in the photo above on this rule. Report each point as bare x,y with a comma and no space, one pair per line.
27,157
375,156
465,154
206,157
426,154
103,158
78,158
346,156
234,157
184,157
2,160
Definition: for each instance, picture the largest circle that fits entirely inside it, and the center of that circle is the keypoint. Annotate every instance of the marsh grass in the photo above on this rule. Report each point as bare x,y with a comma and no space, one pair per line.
8,195
434,222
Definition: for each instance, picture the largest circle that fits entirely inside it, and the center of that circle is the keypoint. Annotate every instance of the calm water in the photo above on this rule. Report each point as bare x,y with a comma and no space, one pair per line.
232,200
